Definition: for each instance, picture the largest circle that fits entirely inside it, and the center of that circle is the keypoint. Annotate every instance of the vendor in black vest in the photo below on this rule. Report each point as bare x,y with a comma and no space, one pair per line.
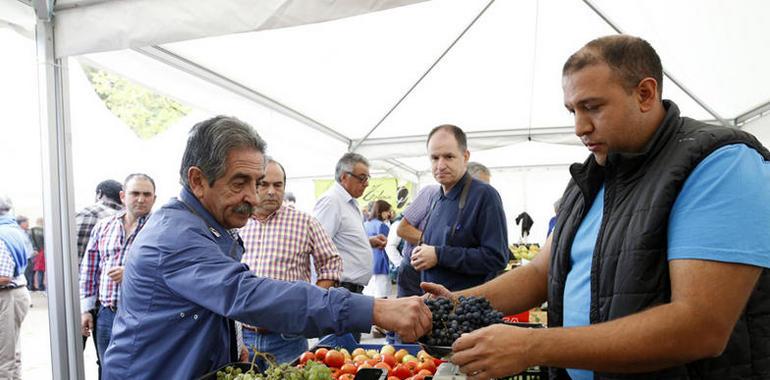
657,268
465,238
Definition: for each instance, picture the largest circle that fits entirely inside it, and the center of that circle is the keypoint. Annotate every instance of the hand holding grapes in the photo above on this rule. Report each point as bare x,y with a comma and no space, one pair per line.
494,351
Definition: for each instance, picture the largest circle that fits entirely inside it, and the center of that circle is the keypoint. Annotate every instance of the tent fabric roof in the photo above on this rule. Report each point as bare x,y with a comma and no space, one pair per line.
322,87
500,82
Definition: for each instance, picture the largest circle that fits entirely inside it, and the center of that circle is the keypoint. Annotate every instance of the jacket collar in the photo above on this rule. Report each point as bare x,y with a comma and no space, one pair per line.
455,191
629,162
8,219
589,176
188,198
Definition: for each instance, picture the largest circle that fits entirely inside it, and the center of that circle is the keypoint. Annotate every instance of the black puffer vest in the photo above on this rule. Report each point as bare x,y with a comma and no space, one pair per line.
629,270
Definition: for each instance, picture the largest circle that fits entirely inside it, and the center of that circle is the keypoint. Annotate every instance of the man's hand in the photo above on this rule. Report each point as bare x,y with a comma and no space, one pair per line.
436,290
409,317
424,257
244,357
378,241
86,323
495,351
116,274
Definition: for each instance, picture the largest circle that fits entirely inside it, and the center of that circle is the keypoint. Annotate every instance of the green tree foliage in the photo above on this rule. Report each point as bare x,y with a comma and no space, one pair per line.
146,112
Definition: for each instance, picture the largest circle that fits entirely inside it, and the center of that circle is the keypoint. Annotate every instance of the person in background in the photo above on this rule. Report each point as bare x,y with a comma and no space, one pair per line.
37,237
15,247
479,171
289,200
552,222
465,241
338,212
29,272
379,285
282,243
103,264
107,204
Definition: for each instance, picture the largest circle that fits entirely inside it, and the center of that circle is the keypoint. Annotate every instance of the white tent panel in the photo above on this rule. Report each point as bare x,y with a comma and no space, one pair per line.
286,137
345,74
87,26
718,49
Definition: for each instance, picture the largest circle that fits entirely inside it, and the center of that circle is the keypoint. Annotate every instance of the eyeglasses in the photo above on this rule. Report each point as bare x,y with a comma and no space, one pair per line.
362,178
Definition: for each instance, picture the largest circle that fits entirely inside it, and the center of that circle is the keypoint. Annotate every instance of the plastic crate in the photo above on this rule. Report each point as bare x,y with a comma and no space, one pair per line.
535,373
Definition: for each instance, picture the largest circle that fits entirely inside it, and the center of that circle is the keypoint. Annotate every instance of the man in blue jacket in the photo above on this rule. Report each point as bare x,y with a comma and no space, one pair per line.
184,284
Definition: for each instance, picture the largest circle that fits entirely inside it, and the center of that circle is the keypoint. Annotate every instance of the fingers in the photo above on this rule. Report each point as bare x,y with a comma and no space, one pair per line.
436,290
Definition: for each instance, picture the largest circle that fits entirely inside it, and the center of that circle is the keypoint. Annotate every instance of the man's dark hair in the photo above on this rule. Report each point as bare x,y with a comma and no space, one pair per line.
289,196
462,140
211,140
21,219
139,175
630,58
271,160
109,188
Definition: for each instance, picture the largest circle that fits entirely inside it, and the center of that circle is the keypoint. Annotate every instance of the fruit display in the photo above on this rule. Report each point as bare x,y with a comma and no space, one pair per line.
451,319
309,370
398,363
523,251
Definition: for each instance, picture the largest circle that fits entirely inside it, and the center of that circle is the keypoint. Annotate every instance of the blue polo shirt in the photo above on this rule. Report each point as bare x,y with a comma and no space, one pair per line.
478,251
721,214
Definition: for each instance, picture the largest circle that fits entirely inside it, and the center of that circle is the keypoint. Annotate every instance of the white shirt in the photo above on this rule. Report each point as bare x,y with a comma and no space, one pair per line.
339,215
391,248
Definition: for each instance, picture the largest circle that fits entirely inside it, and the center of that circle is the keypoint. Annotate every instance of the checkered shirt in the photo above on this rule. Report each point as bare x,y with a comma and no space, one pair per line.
7,265
86,219
107,248
280,247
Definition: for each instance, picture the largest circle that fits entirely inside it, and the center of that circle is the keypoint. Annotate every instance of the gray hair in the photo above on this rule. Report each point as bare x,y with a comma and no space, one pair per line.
346,164
211,140
475,168
5,204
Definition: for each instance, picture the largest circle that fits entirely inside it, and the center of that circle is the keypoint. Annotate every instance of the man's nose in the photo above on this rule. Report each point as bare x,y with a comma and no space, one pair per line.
583,125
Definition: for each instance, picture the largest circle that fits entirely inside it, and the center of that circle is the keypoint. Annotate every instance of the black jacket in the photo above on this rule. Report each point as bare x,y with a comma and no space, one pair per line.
629,271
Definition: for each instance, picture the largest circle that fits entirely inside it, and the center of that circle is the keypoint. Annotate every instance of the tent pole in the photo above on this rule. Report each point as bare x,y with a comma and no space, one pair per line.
681,85
58,203
409,91
180,63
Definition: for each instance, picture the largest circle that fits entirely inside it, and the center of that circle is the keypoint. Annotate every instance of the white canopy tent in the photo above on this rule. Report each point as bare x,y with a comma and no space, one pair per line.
316,83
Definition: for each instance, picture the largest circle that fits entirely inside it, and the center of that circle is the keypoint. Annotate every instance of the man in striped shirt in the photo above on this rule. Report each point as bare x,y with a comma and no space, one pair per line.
279,242
101,271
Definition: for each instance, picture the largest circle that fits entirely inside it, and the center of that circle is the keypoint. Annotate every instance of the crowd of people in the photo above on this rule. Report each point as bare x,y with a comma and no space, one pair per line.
639,279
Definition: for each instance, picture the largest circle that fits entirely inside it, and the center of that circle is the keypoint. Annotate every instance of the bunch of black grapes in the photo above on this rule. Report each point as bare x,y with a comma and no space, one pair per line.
450,320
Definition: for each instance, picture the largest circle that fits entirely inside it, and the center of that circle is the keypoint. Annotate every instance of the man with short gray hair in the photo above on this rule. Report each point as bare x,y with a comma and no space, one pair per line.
15,247
479,171
184,285
338,212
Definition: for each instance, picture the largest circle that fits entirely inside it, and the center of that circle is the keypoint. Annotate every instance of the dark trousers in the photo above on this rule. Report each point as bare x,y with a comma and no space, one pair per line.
29,274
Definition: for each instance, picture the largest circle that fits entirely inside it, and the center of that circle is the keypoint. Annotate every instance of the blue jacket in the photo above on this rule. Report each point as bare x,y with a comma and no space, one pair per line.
183,282
17,241
478,249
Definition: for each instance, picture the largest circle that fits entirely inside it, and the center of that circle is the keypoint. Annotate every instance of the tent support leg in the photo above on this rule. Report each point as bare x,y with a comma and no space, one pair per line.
58,204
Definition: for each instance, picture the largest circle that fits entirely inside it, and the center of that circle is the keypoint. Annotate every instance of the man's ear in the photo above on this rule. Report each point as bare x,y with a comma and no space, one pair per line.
647,93
197,181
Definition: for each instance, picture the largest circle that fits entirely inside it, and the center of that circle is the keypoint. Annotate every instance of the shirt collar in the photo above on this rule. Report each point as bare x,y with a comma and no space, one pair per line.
192,201
456,189
271,216
111,204
342,192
